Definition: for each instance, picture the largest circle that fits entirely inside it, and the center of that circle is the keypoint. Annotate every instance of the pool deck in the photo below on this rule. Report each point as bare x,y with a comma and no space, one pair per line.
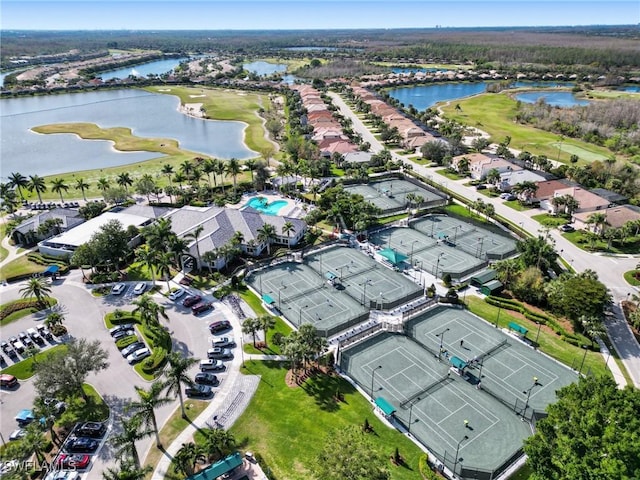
293,208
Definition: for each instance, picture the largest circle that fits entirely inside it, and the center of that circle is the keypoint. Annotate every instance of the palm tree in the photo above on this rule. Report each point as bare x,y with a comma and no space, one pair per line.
287,228
177,246
220,168
53,319
36,287
103,184
148,257
186,167
149,311
125,441
144,407
167,169
127,471
124,180
38,184
525,190
209,167
599,221
185,459
82,186
195,236
251,326
266,234
18,181
251,165
163,265
489,210
177,375
210,257
58,186
34,442
267,322
180,178
217,442
233,168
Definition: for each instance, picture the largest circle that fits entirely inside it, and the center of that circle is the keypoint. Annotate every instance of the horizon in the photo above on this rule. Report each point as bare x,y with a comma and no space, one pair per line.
305,15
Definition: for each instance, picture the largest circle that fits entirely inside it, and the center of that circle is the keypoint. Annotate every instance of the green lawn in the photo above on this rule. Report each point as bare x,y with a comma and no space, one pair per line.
632,277
95,409
24,368
3,233
281,326
23,312
445,172
631,245
551,221
550,343
20,266
288,426
516,205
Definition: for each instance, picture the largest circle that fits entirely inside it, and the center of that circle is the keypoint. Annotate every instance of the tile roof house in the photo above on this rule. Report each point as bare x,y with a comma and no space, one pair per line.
480,164
509,179
587,201
27,232
220,225
548,188
616,216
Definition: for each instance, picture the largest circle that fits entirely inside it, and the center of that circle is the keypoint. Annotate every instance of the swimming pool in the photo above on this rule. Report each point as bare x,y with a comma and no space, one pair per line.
263,206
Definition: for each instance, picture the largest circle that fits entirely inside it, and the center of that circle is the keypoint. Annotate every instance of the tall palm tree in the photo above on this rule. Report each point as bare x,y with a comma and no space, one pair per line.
186,168
34,442
251,326
125,441
195,236
599,221
267,234
103,184
36,287
144,408
180,178
267,322
167,169
251,165
209,167
185,459
210,257
177,246
163,264
149,311
124,180
38,184
287,228
217,442
82,186
58,186
148,257
177,376
127,471
18,181
233,168
220,169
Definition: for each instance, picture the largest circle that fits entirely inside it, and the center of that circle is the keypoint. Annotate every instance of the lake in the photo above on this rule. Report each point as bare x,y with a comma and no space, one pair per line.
157,67
264,69
147,114
425,96
555,99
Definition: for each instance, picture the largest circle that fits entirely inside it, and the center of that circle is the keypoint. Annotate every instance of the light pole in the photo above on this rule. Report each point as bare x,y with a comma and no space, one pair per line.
528,392
455,463
481,240
364,292
420,278
538,334
411,410
411,254
441,335
455,233
438,264
373,375
583,358
498,316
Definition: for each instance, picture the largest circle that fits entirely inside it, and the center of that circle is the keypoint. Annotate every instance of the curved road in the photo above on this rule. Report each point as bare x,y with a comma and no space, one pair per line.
609,268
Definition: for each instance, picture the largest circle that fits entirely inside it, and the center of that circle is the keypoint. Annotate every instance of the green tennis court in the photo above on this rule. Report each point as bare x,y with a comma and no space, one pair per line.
391,194
411,373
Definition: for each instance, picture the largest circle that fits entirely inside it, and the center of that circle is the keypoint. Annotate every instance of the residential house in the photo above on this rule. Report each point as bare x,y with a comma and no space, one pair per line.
546,189
509,179
616,216
480,164
587,201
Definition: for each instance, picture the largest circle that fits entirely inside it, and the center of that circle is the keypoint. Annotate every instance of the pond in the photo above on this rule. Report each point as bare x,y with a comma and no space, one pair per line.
264,69
425,96
555,99
147,114
157,67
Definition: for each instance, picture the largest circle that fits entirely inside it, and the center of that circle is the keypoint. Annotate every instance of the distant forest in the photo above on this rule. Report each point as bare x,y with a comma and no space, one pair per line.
610,48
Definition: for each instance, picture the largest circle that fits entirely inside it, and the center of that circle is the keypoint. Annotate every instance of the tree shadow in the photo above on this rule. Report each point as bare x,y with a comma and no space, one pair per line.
328,390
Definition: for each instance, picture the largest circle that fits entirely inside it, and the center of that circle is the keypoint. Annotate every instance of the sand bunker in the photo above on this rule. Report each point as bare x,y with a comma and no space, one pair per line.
196,96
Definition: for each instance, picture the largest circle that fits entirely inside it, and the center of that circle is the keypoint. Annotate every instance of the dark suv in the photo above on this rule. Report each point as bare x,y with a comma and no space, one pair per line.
201,307
192,300
219,326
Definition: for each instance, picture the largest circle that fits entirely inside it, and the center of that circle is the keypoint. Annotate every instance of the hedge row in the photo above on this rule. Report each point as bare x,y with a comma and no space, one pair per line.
47,261
155,362
18,305
425,468
516,306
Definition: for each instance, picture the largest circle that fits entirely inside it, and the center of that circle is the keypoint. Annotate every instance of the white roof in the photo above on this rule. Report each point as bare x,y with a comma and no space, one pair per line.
82,233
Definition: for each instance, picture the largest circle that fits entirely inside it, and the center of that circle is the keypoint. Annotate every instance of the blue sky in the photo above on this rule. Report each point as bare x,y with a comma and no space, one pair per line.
305,14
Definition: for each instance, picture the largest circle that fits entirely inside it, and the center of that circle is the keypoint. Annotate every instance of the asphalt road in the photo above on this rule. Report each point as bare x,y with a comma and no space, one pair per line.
609,269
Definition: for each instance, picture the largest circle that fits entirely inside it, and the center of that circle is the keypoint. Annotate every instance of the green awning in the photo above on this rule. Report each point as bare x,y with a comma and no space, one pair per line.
219,468
518,328
267,299
385,406
483,277
491,287
457,363
393,256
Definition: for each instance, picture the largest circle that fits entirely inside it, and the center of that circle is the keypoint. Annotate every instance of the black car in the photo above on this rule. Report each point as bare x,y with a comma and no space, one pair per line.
5,346
119,328
198,391
81,445
201,307
191,300
219,326
91,429
123,333
204,378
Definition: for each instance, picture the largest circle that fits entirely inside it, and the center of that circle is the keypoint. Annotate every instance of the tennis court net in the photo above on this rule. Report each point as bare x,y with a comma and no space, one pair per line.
440,382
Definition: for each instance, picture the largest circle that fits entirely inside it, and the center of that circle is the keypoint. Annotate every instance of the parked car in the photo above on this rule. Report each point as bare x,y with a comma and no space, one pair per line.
25,339
117,328
139,288
204,378
482,186
129,349
62,475
198,390
8,381
81,445
5,346
17,434
138,355
17,345
219,326
58,405
44,332
201,307
123,333
25,417
211,365
35,336
76,461
11,353
219,352
118,288
191,300
91,429
567,228
222,342
177,294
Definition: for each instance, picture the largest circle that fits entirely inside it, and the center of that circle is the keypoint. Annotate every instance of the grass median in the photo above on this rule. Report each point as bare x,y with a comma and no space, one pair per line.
24,369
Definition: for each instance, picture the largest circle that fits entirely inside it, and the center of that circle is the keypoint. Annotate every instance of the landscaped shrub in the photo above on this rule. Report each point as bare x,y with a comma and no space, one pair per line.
18,305
126,341
155,362
425,468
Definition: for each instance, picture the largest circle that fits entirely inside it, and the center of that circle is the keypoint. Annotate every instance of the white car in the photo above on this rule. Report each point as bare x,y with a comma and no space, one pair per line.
138,355
223,342
211,365
118,288
17,434
139,288
177,294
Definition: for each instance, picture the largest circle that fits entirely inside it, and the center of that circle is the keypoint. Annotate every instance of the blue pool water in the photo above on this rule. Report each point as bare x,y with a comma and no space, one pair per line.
263,206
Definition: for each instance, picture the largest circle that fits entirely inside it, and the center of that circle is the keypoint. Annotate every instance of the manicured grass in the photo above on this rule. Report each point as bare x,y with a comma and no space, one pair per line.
3,233
288,426
18,314
392,218
631,245
173,427
549,342
95,409
631,278
280,327
24,368
551,221
516,205
494,114
523,473
20,266
445,172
